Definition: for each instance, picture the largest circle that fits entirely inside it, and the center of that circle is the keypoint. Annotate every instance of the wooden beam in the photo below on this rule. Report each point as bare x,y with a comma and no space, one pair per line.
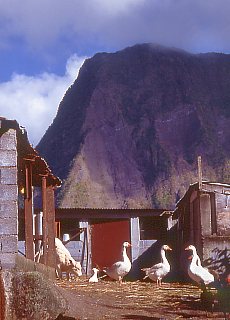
44,224
199,172
77,213
28,203
50,206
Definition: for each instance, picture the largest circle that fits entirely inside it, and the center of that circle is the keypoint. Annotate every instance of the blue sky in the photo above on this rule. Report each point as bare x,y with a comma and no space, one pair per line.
43,43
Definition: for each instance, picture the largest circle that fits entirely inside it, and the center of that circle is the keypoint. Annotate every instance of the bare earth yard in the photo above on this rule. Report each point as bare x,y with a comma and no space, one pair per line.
134,300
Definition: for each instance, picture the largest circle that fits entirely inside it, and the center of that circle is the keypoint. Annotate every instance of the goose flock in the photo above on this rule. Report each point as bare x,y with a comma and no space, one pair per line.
202,276
199,274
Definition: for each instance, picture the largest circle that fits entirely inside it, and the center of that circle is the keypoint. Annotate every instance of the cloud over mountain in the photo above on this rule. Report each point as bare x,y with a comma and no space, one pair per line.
202,25
33,100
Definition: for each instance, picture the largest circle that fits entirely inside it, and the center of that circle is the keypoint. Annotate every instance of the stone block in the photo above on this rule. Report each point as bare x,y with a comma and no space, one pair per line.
8,243
8,226
8,209
8,158
8,175
8,192
7,260
8,140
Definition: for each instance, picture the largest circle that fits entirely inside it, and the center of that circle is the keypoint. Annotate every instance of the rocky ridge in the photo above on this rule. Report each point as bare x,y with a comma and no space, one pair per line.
129,130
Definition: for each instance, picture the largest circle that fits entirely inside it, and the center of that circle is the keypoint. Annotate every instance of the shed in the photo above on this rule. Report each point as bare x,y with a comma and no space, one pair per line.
203,219
104,230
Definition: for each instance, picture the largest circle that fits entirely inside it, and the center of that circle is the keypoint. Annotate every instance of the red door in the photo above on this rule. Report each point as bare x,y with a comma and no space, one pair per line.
107,239
2,300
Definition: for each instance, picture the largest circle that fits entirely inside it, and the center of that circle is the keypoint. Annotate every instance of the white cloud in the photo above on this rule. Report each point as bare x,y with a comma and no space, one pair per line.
116,23
115,7
33,101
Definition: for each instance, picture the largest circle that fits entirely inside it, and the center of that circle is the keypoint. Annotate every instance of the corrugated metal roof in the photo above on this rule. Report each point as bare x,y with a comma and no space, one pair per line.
195,186
109,212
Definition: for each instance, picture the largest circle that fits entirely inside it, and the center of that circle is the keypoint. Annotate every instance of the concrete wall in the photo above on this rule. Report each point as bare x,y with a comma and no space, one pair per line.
223,214
75,248
216,253
8,199
138,246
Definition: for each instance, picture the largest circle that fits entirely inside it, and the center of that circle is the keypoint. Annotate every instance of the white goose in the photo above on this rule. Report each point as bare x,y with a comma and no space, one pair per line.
159,270
94,277
119,269
195,270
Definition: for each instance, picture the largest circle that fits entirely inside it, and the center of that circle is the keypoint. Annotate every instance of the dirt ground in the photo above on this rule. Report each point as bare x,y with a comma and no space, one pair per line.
134,300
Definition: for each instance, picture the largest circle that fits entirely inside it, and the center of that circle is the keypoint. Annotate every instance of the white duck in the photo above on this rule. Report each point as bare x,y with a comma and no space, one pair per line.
159,270
196,272
119,269
94,277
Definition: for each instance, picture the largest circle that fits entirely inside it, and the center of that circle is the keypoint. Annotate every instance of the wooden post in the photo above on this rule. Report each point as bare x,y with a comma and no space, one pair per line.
50,205
57,229
199,172
44,224
38,235
83,249
28,201
87,252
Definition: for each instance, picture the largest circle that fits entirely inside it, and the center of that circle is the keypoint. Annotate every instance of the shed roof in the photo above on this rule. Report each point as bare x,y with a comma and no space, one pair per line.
115,213
207,186
27,153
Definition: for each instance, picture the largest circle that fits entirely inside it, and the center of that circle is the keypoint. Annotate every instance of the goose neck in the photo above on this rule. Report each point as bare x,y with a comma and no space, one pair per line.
163,256
195,258
124,254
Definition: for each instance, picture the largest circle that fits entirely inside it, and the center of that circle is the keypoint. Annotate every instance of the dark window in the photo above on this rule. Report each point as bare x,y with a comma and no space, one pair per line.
70,226
152,228
213,213
21,229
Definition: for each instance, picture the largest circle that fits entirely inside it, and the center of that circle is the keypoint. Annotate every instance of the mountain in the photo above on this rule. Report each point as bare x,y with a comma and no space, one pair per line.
129,130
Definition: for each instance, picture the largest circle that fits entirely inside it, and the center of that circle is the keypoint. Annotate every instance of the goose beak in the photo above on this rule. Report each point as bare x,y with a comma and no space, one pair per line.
169,248
187,248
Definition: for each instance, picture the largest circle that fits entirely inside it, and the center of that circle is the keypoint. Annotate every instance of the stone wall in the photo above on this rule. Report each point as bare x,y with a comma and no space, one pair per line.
8,199
27,289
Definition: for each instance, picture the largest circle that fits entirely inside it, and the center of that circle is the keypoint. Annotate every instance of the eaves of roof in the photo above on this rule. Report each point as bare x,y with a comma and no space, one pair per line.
109,212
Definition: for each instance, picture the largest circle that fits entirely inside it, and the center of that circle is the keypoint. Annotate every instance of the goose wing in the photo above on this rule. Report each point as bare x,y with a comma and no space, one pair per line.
118,269
156,267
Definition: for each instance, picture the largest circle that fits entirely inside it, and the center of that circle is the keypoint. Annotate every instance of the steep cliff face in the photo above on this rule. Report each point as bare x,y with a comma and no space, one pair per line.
130,128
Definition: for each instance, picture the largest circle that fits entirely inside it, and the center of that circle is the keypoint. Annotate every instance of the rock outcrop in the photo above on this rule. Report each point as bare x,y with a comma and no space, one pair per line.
29,295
